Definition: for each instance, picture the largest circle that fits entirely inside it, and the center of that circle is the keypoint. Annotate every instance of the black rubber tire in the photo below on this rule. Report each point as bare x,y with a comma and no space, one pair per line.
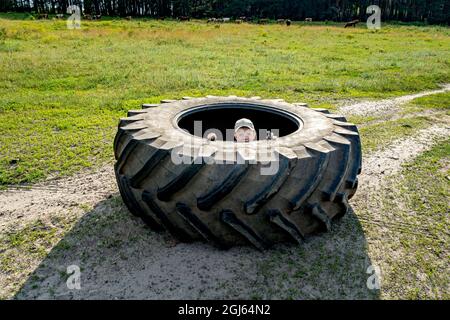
234,204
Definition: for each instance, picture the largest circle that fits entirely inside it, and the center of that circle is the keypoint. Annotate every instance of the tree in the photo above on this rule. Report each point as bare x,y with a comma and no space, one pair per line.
431,11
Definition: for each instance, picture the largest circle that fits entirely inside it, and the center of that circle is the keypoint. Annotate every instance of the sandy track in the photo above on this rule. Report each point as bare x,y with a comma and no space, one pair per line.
35,201
388,161
387,106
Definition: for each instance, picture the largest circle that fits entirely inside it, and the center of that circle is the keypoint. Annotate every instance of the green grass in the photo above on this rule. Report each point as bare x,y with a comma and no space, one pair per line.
378,131
420,200
28,243
376,136
435,102
427,186
62,91
33,241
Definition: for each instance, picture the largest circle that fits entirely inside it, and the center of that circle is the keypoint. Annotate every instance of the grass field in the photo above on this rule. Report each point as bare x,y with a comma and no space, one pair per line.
62,91
424,191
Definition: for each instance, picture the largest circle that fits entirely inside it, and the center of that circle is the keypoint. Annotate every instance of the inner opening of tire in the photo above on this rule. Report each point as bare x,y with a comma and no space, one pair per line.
222,117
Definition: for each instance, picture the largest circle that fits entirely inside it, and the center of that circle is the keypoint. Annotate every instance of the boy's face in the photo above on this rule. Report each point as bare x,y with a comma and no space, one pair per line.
245,134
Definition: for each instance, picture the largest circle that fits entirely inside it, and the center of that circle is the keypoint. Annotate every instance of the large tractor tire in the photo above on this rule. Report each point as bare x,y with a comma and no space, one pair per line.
218,193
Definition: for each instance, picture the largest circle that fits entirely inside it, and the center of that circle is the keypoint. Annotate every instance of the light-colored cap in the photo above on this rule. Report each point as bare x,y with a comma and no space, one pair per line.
244,123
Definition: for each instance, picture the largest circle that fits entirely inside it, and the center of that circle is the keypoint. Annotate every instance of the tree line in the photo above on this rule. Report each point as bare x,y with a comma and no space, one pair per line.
430,11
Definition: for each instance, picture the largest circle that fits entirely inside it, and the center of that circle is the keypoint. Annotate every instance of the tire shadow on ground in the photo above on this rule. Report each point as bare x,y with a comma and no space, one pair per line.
120,258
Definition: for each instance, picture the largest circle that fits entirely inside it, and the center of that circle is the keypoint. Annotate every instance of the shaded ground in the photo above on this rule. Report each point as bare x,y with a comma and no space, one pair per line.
120,258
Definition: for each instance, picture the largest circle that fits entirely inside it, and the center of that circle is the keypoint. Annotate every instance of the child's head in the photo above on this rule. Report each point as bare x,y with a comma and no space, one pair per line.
244,131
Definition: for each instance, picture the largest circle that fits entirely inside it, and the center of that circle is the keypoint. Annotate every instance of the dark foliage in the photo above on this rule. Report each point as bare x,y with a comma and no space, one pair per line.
431,11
